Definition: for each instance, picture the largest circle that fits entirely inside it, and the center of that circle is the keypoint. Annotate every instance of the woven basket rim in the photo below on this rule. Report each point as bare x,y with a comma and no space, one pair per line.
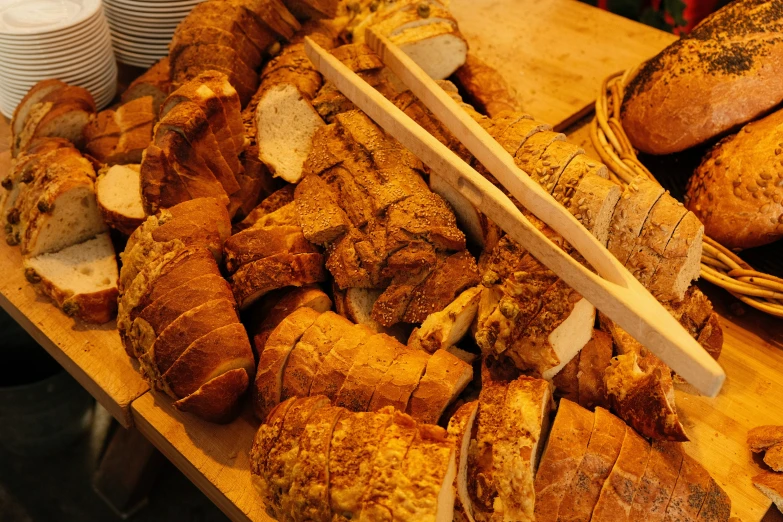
719,265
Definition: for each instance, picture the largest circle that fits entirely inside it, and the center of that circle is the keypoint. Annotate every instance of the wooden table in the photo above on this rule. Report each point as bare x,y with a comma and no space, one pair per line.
555,55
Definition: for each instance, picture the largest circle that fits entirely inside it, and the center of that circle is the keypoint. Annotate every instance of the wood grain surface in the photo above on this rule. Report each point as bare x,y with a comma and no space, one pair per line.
554,53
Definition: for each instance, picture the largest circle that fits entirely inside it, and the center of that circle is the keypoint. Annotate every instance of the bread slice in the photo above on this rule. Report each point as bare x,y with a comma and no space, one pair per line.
378,500
118,191
762,438
594,359
689,492
478,228
186,329
273,360
280,111
101,135
717,505
217,400
283,305
630,214
445,378
259,242
564,452
191,122
664,217
309,353
443,329
374,357
163,311
273,14
71,110
308,498
154,82
26,106
313,9
572,336
602,452
576,170
66,213
135,120
438,48
460,427
553,161
204,56
355,443
771,484
271,203
485,87
322,218
230,17
680,264
593,204
338,363
81,279
190,34
264,441
614,502
254,279
424,483
284,454
637,386
223,349
516,451
400,380
657,484
481,485
566,381
161,186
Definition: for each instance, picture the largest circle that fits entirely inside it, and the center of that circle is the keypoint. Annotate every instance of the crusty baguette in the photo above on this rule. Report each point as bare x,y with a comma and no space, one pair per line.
602,451
254,279
217,400
567,445
445,378
338,362
614,502
688,93
273,359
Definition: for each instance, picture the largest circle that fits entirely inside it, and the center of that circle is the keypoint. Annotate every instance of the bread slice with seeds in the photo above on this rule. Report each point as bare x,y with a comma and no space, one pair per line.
681,260
594,203
630,214
657,484
577,169
259,242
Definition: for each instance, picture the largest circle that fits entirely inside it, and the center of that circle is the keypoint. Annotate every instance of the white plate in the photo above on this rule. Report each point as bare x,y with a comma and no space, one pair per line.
41,59
38,17
78,32
136,39
151,10
95,69
149,14
65,67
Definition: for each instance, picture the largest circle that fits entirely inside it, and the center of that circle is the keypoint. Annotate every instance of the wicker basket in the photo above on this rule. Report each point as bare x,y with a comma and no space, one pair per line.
719,265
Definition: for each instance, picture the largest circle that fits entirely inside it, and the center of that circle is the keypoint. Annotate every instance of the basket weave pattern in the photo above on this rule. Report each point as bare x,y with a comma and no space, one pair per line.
719,265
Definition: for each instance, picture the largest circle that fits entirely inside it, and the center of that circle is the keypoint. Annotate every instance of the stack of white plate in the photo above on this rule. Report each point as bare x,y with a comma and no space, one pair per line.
64,39
142,29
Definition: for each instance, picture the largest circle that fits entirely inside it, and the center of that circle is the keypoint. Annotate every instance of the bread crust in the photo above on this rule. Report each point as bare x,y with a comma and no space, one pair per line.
688,93
630,214
259,242
717,505
487,91
657,484
689,492
567,445
446,376
217,400
254,279
460,428
400,380
338,362
273,360
293,298
374,357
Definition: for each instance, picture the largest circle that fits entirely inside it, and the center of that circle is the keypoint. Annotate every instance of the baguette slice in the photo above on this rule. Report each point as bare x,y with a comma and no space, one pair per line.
461,426
217,400
264,441
255,279
118,191
34,96
309,353
224,349
81,279
564,452
373,359
481,465
680,264
614,502
273,360
689,492
445,378
259,242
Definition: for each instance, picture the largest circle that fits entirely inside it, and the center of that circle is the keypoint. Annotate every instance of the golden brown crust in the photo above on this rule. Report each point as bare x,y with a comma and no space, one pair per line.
657,484
487,91
400,380
594,358
217,400
761,438
689,92
689,493
259,242
445,378
252,280
771,484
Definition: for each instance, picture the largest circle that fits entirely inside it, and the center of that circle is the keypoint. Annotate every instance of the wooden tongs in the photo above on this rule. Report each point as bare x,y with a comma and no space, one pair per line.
615,291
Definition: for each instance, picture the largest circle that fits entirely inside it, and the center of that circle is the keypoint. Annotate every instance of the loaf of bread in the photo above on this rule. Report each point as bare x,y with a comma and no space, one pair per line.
737,191
310,352
313,461
721,75
50,108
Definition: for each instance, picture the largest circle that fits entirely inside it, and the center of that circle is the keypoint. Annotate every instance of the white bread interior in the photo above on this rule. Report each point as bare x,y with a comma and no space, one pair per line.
572,335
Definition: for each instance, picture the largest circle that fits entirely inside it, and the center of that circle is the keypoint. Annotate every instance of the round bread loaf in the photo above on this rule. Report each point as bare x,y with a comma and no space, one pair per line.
737,191
725,73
